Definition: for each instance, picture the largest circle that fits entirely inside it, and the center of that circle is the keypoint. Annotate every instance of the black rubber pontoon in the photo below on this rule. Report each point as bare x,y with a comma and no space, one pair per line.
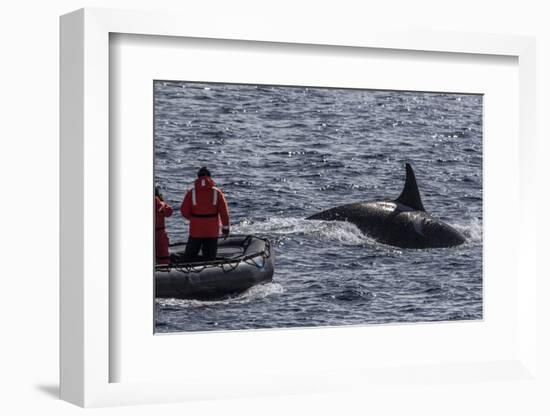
242,262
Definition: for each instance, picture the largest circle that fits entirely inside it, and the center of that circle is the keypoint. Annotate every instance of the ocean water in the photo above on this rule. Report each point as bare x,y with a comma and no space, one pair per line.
281,154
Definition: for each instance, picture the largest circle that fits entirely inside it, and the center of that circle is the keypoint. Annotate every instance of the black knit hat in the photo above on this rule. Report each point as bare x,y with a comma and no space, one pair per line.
203,172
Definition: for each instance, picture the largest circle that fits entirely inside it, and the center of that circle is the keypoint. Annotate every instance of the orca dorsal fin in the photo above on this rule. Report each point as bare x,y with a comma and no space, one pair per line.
410,196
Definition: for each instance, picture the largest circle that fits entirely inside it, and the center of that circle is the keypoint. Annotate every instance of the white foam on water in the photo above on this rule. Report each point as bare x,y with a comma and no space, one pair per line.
260,292
257,292
472,230
342,232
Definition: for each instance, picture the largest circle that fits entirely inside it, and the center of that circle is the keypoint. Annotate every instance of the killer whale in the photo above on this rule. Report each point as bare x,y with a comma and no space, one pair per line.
402,222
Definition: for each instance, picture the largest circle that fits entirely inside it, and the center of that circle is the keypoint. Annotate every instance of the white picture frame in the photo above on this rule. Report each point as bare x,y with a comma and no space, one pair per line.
86,353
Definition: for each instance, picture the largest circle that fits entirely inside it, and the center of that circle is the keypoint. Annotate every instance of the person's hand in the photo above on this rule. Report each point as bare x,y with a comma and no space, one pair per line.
225,233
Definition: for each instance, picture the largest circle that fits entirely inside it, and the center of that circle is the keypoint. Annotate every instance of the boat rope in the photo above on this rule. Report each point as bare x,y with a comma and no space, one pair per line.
226,264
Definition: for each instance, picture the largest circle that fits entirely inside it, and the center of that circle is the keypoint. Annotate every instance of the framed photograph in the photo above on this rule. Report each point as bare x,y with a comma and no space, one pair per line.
296,164
322,201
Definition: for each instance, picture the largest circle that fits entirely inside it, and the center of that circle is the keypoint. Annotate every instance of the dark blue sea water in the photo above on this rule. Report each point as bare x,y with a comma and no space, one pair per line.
281,154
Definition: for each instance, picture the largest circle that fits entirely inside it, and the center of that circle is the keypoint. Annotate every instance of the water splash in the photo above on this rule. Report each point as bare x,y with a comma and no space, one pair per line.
341,232
472,230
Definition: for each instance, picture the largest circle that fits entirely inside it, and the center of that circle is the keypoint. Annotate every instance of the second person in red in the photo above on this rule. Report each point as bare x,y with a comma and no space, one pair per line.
205,207
162,210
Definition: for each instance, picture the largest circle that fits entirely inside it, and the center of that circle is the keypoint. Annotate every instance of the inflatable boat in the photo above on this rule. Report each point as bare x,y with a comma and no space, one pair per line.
242,262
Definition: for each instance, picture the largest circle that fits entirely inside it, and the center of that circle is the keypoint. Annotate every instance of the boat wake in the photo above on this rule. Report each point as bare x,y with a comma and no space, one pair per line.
255,293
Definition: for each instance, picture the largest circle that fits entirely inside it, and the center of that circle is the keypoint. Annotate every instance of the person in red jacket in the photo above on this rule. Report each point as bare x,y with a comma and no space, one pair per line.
162,210
205,207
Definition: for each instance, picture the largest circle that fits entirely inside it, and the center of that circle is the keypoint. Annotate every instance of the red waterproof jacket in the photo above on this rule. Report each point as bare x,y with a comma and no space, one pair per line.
204,206
162,210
